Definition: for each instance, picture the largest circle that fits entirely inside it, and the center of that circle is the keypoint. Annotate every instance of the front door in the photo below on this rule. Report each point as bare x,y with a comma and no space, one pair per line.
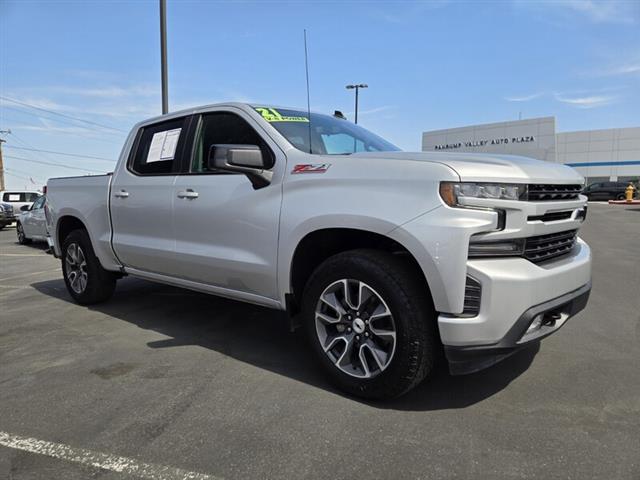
142,198
227,231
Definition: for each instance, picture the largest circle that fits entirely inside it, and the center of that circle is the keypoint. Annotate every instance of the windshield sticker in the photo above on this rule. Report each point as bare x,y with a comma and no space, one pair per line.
311,168
272,115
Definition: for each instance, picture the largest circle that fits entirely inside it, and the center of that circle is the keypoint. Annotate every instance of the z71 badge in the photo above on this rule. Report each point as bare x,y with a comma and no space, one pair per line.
311,168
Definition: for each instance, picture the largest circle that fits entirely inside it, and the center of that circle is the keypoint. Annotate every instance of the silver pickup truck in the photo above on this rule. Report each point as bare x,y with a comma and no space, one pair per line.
385,258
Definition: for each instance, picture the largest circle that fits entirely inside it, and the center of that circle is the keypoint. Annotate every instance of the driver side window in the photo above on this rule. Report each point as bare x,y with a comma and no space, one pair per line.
224,128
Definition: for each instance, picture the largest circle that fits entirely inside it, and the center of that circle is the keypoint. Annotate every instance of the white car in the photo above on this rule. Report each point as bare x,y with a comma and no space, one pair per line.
18,198
384,257
31,223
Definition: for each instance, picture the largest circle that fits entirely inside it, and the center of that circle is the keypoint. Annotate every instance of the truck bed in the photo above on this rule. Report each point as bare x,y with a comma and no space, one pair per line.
86,198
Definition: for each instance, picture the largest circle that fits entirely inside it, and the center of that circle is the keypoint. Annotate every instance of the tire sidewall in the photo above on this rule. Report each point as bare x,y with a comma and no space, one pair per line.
405,320
24,240
81,238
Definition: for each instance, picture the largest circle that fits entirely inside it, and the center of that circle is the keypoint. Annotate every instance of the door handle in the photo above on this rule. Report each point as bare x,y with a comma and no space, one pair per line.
121,194
188,193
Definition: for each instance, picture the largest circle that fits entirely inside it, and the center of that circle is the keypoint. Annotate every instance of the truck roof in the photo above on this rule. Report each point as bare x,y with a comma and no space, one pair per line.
204,108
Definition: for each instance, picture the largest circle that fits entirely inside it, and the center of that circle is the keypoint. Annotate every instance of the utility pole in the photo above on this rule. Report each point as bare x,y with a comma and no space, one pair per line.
357,87
163,56
1,163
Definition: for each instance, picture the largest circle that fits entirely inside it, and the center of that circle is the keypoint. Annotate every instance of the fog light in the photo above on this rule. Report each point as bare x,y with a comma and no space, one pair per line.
535,325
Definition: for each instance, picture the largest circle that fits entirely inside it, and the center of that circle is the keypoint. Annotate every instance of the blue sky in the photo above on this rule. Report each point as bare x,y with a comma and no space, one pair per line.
429,65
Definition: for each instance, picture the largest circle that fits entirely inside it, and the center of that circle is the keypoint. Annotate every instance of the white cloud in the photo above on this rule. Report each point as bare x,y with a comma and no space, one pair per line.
112,91
588,101
596,11
524,98
625,69
603,11
372,111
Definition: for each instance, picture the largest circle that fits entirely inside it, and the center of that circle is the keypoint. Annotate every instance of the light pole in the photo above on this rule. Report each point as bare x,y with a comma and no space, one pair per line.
163,55
357,87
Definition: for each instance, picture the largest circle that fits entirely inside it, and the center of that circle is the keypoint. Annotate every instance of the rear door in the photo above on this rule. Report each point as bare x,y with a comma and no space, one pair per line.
34,223
141,200
227,231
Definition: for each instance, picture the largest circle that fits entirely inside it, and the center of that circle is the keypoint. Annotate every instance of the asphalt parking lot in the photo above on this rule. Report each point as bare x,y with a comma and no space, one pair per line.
183,384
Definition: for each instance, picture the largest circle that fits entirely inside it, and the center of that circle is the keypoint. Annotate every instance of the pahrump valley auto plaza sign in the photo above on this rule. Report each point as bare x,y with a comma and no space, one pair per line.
482,143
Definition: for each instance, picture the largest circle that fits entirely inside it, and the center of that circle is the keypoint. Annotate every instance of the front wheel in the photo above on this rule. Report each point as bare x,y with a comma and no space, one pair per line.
22,238
86,280
370,321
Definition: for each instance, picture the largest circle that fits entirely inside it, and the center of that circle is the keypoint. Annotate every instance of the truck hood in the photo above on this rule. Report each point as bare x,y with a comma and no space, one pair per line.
472,167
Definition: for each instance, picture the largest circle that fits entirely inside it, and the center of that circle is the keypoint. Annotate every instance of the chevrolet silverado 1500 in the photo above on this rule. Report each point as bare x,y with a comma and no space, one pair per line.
385,258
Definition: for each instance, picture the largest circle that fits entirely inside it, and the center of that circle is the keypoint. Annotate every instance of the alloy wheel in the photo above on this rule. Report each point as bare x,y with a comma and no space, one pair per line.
20,233
76,268
355,328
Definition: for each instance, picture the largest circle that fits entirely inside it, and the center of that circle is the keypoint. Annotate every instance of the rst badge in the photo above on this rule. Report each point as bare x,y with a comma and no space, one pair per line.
311,168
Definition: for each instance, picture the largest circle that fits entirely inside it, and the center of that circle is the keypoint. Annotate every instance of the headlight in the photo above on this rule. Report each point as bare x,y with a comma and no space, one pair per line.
452,192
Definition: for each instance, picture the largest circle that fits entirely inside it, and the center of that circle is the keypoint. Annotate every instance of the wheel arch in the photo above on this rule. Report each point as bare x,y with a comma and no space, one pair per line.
67,224
318,245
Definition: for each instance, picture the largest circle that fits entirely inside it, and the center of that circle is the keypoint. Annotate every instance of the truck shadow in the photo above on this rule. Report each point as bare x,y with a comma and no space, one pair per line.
261,337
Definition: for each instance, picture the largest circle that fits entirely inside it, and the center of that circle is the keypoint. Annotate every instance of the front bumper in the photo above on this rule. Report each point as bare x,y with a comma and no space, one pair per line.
463,360
514,292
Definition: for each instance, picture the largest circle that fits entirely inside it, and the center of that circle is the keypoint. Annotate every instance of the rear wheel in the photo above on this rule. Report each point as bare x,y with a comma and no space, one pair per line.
86,280
621,196
22,238
371,323
2,225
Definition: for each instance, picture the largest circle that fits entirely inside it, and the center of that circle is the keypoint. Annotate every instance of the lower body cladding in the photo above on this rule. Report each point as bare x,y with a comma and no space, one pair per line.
520,302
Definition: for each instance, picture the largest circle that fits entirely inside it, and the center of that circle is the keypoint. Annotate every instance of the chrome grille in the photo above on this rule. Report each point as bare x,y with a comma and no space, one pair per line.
547,193
544,247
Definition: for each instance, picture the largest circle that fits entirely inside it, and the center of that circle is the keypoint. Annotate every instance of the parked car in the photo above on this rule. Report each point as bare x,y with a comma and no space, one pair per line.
31,224
7,217
382,256
606,191
18,198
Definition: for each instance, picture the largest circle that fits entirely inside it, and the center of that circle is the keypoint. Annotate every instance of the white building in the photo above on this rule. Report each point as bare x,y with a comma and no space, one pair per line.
612,154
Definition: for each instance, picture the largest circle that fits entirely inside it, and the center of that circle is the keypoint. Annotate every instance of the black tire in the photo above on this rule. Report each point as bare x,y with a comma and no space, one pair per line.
407,297
22,238
100,283
2,225
621,196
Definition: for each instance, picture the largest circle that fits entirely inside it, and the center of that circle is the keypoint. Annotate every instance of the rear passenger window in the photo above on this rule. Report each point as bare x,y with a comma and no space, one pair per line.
159,148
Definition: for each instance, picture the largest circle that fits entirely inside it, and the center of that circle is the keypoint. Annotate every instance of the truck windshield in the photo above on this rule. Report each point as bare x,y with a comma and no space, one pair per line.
328,135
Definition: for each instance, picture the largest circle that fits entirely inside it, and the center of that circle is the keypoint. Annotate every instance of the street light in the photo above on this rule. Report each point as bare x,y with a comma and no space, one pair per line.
357,87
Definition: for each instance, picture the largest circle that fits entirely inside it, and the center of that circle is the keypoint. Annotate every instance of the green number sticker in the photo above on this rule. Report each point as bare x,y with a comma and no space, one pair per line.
272,115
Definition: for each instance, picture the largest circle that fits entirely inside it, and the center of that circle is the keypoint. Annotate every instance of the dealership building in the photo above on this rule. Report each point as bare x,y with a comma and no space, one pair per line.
599,155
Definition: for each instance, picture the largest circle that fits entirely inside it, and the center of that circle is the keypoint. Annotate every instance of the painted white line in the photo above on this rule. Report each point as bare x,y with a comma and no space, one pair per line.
24,255
29,274
103,461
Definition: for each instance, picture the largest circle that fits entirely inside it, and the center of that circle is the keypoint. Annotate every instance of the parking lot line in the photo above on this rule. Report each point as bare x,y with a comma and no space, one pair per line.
22,254
99,460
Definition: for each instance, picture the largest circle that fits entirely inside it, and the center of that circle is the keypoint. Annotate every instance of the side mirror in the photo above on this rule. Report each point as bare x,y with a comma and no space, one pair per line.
25,208
245,159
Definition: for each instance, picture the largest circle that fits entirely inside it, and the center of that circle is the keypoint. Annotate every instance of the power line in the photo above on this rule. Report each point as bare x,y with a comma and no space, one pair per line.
72,167
61,114
23,173
89,131
62,153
